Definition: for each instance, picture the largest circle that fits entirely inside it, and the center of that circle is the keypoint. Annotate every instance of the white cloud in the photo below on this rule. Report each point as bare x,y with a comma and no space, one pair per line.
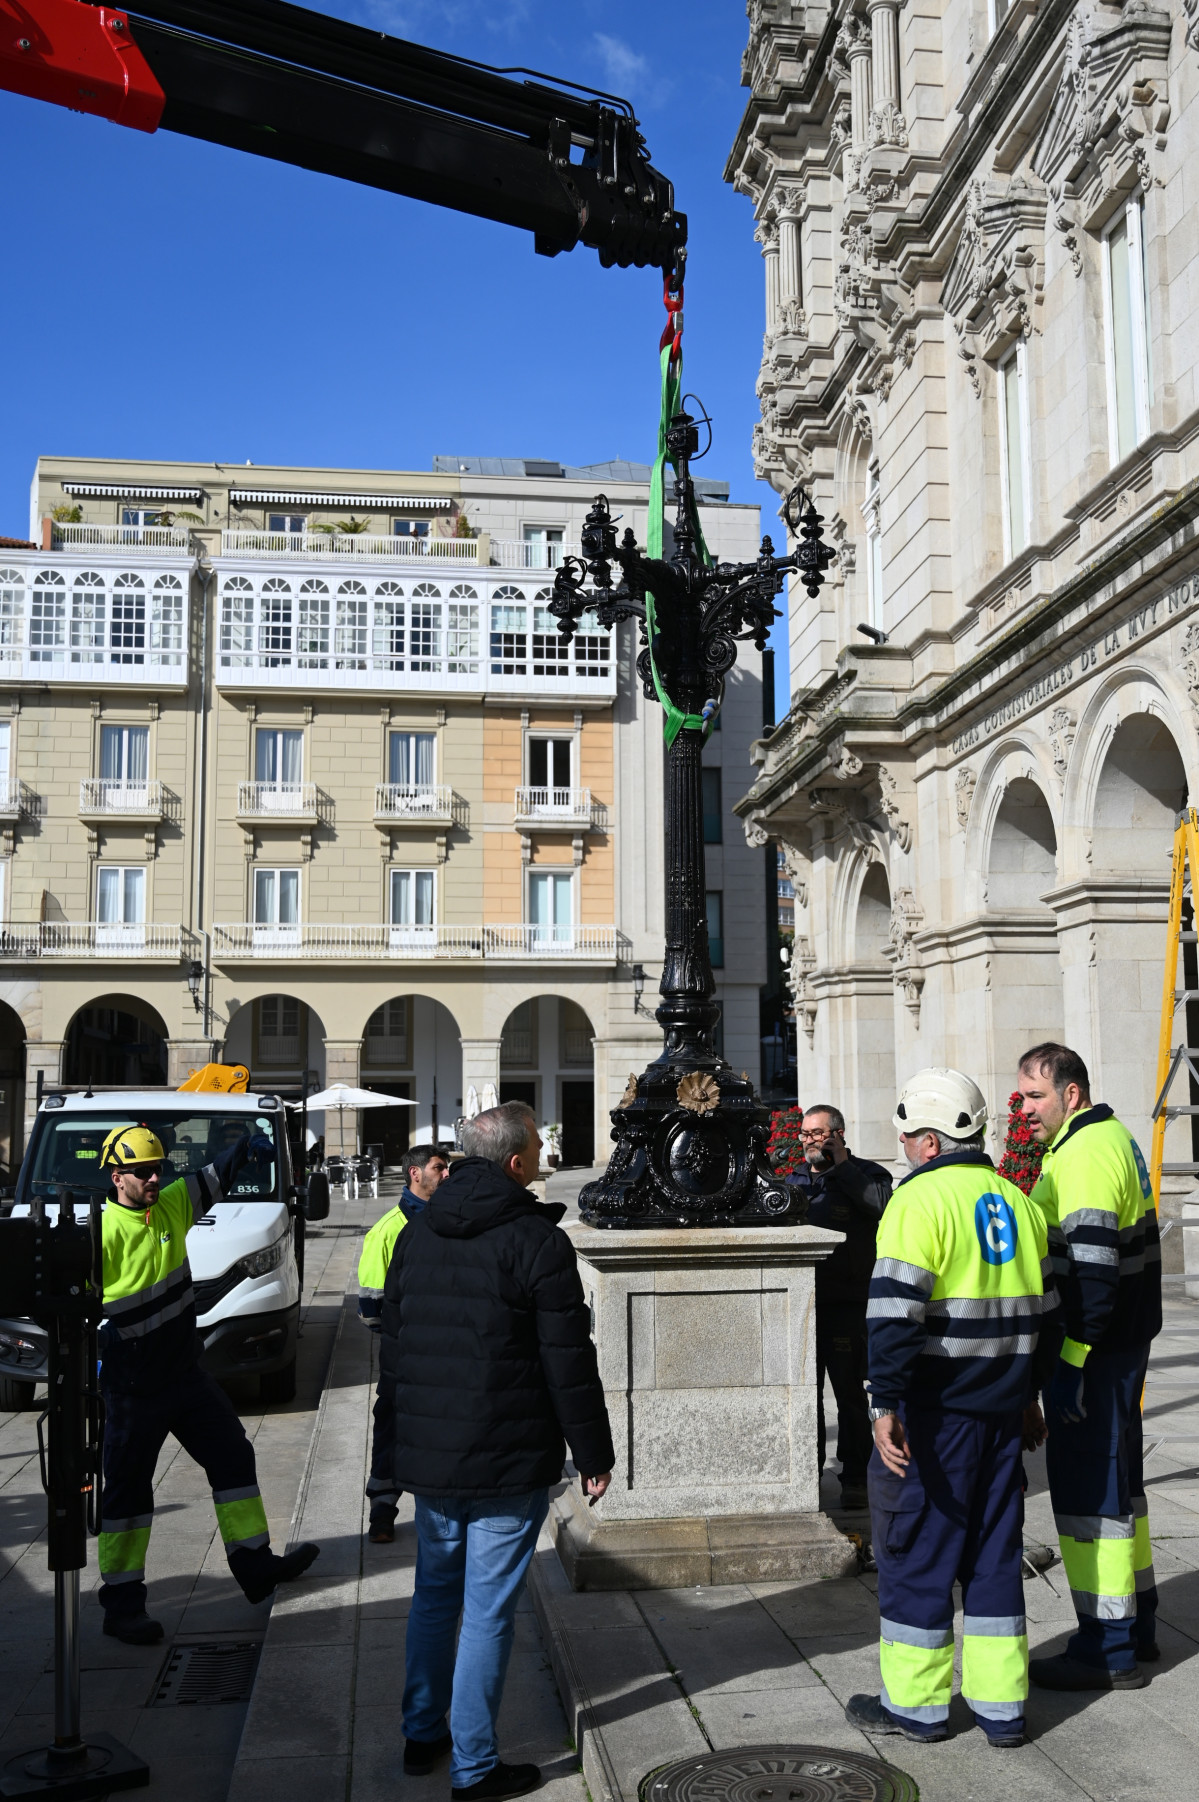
625,68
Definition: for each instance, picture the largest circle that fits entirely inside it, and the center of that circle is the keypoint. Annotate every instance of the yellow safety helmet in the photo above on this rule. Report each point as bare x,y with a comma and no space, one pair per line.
131,1145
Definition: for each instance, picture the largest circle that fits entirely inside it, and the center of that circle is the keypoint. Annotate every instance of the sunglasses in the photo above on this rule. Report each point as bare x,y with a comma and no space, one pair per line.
143,1172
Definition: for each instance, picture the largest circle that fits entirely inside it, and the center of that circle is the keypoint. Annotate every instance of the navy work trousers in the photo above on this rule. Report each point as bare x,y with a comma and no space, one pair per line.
957,1515
841,1351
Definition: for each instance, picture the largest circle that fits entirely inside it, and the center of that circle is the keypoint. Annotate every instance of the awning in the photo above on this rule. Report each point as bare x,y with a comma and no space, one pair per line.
133,491
271,497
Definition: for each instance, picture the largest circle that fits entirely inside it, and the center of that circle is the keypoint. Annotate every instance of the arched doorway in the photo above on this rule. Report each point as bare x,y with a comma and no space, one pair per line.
412,1047
1142,785
280,1038
871,1078
547,1060
118,1041
12,1090
1025,991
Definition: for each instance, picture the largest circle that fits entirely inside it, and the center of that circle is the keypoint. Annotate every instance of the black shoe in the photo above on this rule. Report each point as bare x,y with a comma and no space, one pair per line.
281,1570
1149,1654
133,1629
868,1713
853,1495
501,1780
420,1755
1064,1672
382,1528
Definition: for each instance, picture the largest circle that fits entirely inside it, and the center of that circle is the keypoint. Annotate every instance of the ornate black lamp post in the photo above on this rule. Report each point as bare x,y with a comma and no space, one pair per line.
690,1134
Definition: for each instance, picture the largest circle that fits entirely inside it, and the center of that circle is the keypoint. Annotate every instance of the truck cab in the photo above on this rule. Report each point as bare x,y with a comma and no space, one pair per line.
245,1251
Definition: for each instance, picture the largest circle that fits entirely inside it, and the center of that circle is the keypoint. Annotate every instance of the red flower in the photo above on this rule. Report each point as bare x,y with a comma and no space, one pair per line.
1021,1160
785,1147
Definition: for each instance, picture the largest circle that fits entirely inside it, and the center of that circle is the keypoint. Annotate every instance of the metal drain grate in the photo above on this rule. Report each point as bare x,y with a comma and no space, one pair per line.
219,1671
779,1774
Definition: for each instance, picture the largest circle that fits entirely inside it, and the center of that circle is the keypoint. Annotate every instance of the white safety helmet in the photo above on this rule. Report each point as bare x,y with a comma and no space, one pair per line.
941,1101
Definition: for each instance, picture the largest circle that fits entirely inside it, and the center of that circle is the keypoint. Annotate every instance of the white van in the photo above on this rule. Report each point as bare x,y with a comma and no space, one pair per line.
246,1252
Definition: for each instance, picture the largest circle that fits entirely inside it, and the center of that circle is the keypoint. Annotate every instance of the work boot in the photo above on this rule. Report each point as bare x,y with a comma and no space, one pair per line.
1065,1672
1001,1734
501,1780
383,1524
853,1495
133,1629
257,1588
868,1713
420,1755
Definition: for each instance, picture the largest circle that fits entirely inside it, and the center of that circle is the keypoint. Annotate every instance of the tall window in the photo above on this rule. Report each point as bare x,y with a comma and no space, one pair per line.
509,629
128,635
5,752
47,617
411,903
874,549
549,763
276,902
290,523
125,762
410,759
551,906
12,602
715,913
551,653
544,547
350,630
279,762
713,822
1126,317
1013,449
120,905
87,618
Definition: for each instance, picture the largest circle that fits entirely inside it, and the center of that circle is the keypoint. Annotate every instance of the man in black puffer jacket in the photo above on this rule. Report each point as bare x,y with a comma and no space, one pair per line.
487,1334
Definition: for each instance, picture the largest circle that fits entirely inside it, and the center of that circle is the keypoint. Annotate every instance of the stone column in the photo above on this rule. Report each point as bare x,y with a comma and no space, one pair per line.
767,235
858,54
480,1065
706,1339
186,1055
790,301
44,1055
341,1065
886,121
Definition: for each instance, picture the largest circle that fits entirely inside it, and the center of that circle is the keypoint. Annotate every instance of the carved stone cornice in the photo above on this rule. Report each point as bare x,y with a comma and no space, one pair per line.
993,286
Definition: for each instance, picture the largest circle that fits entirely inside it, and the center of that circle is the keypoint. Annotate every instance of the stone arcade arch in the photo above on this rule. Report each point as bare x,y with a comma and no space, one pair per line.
1023,986
279,1037
116,1040
412,1047
869,1082
547,1059
12,1090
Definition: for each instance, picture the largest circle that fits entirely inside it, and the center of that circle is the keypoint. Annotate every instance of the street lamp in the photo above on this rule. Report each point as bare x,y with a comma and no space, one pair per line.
195,982
690,1134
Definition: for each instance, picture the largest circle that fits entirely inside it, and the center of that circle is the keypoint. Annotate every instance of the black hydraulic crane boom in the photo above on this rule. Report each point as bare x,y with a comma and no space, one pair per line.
568,164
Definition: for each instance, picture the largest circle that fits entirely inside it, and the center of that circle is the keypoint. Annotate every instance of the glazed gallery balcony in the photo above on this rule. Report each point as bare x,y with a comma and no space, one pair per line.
380,943
85,616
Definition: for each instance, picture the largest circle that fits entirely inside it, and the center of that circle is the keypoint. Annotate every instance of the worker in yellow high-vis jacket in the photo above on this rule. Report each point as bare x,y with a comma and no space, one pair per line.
1098,1204
153,1385
960,1294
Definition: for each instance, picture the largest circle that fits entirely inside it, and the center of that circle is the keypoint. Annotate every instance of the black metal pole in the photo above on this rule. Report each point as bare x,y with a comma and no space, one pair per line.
689,1012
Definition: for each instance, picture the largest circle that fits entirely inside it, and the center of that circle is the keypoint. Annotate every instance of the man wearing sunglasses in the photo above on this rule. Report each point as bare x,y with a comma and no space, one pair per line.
153,1385
848,1195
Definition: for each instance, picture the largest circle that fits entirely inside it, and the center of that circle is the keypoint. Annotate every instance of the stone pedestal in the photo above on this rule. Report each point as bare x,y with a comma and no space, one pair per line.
707,1352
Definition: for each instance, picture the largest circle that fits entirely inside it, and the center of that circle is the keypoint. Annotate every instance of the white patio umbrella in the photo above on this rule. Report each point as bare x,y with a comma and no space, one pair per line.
490,1098
472,1103
342,1095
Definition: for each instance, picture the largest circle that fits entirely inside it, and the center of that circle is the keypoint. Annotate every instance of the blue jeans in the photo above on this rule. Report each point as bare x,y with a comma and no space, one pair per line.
472,1559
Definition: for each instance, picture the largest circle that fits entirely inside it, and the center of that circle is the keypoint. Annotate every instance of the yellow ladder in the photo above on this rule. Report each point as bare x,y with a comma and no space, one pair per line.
1172,1058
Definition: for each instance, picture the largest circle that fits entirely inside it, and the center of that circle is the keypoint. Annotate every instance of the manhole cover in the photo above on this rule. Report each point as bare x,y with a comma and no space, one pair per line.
779,1774
219,1671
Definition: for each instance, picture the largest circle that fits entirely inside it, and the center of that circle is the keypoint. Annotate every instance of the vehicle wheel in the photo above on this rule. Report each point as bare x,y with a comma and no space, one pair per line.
15,1396
278,1385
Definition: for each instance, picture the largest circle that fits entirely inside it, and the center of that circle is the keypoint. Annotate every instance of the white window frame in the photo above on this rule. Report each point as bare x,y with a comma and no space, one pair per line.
547,736
7,747
281,795
122,935
1018,354
405,936
871,512
276,935
411,732
548,935
1132,215
997,12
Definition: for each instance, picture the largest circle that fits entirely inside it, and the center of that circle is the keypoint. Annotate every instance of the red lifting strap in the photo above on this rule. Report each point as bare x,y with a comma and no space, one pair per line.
78,56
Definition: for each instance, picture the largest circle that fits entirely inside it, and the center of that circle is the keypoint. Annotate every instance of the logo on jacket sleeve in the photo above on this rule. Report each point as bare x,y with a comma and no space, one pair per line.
1138,1159
995,1224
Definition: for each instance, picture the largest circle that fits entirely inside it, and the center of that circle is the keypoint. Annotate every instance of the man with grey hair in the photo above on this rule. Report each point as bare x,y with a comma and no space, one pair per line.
497,1375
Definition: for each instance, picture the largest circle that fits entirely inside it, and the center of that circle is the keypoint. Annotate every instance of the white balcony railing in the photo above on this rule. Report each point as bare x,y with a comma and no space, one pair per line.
381,942
565,804
111,795
515,553
162,538
15,798
275,800
97,938
396,547
413,801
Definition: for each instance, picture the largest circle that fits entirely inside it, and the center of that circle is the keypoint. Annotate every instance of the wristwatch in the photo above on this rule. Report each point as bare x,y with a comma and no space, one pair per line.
881,1413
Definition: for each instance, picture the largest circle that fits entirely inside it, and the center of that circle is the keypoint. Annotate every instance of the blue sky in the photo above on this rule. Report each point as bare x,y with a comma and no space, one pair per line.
181,300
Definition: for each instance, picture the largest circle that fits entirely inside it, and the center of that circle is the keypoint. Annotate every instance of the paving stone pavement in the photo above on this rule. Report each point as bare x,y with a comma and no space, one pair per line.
657,1675
190,1750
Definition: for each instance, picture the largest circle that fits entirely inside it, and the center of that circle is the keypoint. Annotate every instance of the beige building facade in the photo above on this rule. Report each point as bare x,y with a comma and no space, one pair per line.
296,771
980,237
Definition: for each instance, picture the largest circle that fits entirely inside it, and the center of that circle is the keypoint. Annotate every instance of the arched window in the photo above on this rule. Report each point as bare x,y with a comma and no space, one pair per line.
314,624
424,628
551,654
387,638
462,631
509,632
237,622
350,639
166,620
47,617
87,618
12,607
127,638
275,622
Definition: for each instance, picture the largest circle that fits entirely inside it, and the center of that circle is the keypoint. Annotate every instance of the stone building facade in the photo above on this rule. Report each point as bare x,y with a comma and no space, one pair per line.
981,241
294,769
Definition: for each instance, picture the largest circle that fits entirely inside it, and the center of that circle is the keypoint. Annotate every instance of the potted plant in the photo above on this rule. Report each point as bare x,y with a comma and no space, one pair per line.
552,1139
